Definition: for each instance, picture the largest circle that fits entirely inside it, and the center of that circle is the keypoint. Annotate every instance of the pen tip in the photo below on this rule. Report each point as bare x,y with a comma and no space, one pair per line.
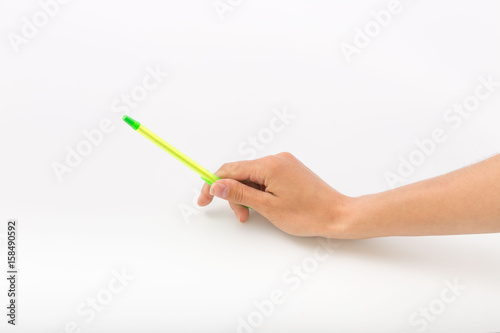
133,123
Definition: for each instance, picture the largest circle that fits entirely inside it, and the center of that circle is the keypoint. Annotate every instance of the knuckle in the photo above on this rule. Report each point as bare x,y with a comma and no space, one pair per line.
286,154
273,163
225,166
238,194
225,169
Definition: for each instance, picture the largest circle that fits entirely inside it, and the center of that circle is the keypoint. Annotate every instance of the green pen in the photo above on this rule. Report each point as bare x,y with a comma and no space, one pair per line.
206,175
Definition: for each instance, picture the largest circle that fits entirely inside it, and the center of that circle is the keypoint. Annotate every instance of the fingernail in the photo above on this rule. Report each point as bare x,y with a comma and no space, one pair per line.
237,216
219,190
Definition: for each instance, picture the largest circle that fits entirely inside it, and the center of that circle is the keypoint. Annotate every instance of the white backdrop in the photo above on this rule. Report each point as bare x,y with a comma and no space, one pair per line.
109,238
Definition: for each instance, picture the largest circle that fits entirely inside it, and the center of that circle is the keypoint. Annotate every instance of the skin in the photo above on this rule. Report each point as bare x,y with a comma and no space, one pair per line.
297,201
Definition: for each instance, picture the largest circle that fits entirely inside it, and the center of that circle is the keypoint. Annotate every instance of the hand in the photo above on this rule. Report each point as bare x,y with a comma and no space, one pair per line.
283,190
298,202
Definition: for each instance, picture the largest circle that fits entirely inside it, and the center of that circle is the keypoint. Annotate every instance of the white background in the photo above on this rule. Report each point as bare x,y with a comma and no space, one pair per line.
121,208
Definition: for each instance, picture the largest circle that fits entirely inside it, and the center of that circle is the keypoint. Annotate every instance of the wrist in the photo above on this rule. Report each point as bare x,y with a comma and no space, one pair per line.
349,218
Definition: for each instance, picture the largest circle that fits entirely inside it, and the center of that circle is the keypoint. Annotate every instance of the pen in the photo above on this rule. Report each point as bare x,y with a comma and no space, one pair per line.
206,175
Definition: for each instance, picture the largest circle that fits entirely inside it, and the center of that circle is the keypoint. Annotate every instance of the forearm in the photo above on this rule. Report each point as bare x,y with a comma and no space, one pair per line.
462,202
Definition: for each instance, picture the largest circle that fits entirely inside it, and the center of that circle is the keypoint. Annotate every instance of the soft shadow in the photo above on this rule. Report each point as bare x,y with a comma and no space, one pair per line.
450,255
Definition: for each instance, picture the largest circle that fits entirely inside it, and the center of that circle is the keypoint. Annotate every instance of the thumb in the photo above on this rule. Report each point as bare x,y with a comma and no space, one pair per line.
234,191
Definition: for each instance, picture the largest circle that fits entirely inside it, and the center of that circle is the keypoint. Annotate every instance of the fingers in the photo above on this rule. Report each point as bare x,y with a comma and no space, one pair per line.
236,192
243,183
254,170
249,172
205,197
242,213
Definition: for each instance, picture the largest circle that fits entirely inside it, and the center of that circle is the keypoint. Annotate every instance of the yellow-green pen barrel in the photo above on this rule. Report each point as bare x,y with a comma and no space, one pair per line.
206,175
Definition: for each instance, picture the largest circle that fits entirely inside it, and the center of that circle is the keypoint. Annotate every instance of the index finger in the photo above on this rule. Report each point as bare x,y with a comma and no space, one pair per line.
242,170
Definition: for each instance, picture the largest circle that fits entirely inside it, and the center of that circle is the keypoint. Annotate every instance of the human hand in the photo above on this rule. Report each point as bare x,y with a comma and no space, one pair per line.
284,191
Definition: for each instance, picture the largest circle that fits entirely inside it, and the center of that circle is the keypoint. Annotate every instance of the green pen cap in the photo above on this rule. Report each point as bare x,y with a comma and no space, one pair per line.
132,122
